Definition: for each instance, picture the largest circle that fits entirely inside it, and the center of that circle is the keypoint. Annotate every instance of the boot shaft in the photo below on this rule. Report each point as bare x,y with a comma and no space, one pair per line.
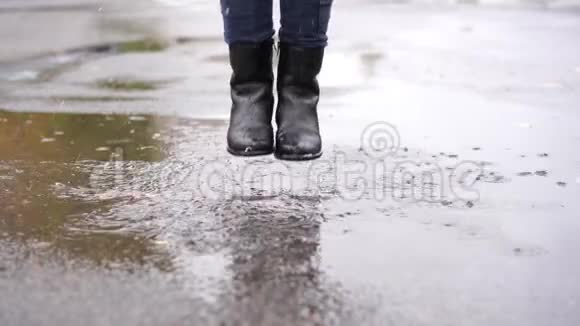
250,131
251,62
297,84
299,66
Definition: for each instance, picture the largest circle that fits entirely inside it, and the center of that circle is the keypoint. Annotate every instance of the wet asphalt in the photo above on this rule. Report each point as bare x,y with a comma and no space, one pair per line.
447,193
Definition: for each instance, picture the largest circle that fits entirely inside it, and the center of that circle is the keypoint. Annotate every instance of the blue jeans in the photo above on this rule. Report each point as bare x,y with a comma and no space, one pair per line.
304,22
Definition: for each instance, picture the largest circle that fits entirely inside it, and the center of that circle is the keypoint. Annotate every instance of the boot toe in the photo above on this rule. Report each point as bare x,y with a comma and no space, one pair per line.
251,141
298,146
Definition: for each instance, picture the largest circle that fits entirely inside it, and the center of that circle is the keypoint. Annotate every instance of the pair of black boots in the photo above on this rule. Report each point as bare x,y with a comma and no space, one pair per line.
250,132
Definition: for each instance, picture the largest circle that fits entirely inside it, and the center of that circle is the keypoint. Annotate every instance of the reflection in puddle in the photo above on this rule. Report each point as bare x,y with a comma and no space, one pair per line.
121,193
42,154
117,191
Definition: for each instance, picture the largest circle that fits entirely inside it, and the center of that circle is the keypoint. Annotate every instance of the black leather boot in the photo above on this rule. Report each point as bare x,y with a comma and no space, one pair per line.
250,132
298,135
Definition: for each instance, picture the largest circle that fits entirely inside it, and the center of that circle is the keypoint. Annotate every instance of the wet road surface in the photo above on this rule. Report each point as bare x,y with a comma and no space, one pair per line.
119,204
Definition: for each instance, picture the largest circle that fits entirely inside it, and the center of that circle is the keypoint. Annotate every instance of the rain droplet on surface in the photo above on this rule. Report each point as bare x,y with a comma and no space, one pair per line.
541,173
102,149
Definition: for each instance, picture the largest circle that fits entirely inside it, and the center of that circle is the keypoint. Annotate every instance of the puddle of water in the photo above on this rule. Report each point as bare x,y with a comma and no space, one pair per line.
78,137
148,45
125,84
45,68
99,98
62,176
113,191
46,7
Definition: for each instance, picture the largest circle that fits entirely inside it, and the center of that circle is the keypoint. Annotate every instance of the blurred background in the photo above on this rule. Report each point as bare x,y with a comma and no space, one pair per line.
110,110
59,49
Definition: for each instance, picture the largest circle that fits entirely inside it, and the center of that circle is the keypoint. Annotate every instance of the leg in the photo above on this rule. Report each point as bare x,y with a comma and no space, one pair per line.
304,23
302,42
247,20
248,29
